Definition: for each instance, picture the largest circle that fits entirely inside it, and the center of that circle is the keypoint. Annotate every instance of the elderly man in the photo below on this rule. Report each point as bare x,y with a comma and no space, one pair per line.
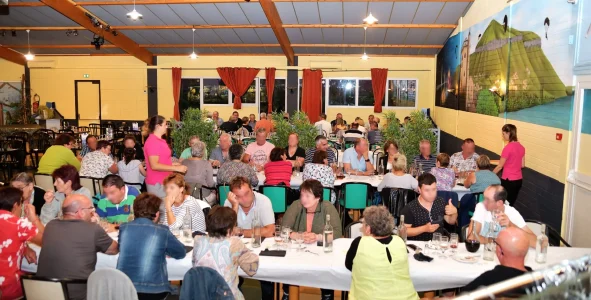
370,119
219,155
323,126
321,144
354,133
252,122
70,245
257,154
464,160
333,123
216,119
264,123
116,203
495,197
374,135
90,146
429,213
512,247
425,159
187,151
357,159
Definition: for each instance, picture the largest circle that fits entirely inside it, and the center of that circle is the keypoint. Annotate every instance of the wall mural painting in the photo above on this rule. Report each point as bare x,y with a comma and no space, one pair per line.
516,64
11,100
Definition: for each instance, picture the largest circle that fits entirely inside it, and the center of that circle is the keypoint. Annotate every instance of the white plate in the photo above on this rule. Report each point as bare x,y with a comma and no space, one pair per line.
467,258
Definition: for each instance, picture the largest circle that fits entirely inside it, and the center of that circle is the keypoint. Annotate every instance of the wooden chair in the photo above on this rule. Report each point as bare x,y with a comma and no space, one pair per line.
39,142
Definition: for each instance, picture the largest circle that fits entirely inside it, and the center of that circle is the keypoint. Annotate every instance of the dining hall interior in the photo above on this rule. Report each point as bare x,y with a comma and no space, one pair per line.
278,140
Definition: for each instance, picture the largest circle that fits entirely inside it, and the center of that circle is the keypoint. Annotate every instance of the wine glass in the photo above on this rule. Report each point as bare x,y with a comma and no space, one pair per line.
443,245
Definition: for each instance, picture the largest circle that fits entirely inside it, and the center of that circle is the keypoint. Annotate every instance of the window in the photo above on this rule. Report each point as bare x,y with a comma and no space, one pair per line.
278,95
341,92
190,94
250,96
366,97
402,93
215,91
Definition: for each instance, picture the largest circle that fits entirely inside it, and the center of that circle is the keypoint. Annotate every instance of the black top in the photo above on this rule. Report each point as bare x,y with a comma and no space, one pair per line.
300,152
384,162
353,251
496,275
354,131
334,122
38,200
239,122
248,127
229,126
139,152
416,215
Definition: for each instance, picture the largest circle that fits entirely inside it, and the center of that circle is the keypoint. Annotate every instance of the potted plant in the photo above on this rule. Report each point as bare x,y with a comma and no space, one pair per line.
194,122
409,137
298,123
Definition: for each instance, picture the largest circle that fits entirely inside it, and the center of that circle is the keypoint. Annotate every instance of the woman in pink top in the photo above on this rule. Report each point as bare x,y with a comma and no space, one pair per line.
278,169
158,157
512,161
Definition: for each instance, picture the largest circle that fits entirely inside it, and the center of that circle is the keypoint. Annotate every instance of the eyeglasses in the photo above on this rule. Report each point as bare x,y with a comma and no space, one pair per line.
90,208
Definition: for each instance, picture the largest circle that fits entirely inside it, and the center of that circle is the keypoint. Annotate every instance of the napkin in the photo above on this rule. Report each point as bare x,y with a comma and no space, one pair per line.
422,257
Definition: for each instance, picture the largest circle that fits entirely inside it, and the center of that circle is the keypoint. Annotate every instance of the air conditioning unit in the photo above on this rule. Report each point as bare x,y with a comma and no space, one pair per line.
41,64
334,65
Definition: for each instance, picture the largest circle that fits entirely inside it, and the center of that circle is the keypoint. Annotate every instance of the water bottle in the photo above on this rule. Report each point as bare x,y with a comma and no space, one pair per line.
542,246
186,229
327,237
402,229
256,232
490,247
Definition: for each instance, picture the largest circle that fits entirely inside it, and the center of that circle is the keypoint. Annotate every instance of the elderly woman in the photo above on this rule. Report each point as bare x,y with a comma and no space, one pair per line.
295,154
200,172
176,204
446,177
99,163
14,234
66,182
481,179
235,167
390,154
319,170
187,153
398,178
308,216
378,260
31,194
223,252
278,169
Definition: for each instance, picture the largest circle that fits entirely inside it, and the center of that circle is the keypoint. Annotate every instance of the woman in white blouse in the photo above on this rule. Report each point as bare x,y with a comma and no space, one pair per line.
398,178
176,203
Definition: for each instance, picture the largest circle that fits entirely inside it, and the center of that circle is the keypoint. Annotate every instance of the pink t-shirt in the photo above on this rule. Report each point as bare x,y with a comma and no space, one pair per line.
259,154
156,146
513,153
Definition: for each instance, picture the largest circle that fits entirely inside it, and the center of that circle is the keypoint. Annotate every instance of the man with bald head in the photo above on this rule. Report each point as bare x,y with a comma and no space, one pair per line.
512,247
70,245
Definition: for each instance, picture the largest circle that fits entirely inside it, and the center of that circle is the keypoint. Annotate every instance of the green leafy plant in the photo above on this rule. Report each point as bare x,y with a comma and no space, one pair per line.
391,132
486,104
194,122
408,138
298,123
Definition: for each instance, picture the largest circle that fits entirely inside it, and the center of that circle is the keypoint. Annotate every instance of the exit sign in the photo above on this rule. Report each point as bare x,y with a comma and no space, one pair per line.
86,75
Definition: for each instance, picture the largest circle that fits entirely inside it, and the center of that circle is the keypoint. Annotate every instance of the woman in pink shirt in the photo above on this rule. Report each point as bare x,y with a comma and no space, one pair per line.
278,169
512,161
158,157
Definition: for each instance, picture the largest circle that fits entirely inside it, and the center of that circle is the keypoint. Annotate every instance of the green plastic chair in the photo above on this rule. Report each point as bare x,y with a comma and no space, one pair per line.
223,191
278,196
327,192
356,195
349,145
247,141
479,198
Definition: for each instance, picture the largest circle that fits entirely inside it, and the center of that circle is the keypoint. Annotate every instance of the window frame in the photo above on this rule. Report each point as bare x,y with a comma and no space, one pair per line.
230,95
259,93
416,94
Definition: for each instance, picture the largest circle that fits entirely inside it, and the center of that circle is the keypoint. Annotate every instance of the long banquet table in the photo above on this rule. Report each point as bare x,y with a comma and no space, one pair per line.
327,270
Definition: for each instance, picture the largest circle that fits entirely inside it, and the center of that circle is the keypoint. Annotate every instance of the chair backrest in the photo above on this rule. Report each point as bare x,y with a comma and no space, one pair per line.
40,141
349,144
223,191
535,227
44,181
94,185
446,195
396,199
43,288
356,194
95,129
110,284
353,230
327,193
278,196
203,283
464,233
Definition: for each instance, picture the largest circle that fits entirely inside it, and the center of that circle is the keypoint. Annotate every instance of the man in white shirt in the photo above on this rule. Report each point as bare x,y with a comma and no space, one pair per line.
494,203
323,126
246,203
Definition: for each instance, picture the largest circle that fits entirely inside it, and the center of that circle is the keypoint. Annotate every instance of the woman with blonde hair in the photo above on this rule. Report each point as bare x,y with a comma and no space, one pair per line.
177,203
398,178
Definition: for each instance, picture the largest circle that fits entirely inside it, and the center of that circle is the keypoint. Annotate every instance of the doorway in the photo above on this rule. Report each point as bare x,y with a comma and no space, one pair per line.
88,101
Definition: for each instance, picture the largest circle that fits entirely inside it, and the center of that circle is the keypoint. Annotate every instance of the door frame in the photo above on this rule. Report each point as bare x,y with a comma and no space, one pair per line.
76,98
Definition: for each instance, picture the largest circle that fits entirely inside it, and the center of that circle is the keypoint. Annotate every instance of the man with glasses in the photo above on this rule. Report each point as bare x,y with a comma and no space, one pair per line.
321,144
70,245
495,210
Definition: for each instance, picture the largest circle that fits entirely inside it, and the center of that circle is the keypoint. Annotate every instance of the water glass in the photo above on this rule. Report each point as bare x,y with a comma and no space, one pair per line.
436,240
285,232
299,240
453,242
444,245
187,235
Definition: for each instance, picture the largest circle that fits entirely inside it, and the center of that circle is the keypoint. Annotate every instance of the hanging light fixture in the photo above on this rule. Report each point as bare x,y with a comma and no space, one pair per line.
364,56
370,20
134,14
29,56
193,55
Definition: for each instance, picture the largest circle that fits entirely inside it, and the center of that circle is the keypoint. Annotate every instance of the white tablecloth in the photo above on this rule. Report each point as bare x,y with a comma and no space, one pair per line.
328,270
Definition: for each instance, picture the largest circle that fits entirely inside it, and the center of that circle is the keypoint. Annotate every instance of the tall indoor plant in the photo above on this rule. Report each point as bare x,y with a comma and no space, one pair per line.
298,123
409,137
194,122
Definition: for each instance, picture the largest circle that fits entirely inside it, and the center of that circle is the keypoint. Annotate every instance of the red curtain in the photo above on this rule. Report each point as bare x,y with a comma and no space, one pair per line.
238,80
312,94
270,84
379,78
176,91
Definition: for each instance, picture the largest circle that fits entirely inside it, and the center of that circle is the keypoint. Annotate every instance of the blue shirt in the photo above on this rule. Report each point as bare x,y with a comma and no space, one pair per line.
143,247
350,157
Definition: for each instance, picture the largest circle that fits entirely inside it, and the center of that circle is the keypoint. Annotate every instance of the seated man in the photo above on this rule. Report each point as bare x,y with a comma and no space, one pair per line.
116,203
425,159
219,155
428,214
187,151
70,244
98,163
512,246
90,146
374,135
264,123
357,159
352,134
465,160
321,144
495,197
230,125
257,153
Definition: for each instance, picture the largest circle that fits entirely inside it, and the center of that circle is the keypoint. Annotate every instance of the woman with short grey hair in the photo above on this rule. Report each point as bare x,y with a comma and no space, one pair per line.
32,194
199,173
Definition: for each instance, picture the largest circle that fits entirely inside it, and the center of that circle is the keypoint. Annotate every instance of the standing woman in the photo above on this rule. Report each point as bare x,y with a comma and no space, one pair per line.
512,161
159,157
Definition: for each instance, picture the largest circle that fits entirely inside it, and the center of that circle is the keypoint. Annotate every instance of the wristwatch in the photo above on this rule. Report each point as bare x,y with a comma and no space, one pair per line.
367,160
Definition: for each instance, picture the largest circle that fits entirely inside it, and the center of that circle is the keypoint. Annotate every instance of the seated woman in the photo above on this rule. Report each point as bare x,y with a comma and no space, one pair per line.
200,172
98,163
131,169
319,170
15,233
176,204
309,215
390,153
235,167
446,177
483,177
130,142
295,154
223,252
58,155
66,182
398,178
31,194
378,260
143,248
278,169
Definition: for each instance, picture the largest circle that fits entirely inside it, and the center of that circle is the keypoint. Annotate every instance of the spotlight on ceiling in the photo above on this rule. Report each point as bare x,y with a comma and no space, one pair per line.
108,28
97,41
75,32
14,33
114,33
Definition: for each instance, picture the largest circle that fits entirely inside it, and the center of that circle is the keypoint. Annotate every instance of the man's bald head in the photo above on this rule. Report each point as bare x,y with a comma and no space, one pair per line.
514,244
77,206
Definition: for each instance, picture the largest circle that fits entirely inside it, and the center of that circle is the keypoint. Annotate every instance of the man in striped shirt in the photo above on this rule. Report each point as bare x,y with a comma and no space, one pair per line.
425,159
117,201
321,144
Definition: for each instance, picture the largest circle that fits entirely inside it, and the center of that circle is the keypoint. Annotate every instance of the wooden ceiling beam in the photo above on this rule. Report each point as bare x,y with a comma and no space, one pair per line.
149,2
232,46
272,14
12,56
79,15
